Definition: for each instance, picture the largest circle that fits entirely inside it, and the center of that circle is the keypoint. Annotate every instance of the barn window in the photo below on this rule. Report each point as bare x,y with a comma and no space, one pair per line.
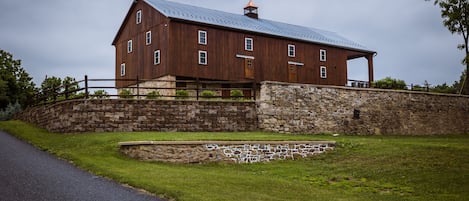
139,16
156,57
203,37
322,55
203,57
291,50
248,44
122,69
148,38
129,46
323,72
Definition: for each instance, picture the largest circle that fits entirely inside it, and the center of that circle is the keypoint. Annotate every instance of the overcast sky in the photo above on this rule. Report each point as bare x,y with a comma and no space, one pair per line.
73,38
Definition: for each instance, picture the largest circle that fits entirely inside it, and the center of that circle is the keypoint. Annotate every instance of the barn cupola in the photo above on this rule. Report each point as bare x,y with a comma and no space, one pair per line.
251,10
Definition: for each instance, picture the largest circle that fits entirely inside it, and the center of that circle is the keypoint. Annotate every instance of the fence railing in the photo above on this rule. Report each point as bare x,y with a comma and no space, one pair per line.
149,89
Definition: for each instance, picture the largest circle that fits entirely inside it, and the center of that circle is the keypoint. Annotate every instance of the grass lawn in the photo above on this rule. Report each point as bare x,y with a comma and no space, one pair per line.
361,167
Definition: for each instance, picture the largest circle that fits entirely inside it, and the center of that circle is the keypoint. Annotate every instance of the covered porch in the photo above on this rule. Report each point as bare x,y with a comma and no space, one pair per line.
363,61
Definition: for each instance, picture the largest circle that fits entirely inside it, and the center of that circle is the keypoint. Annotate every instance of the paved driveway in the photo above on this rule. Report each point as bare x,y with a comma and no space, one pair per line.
29,174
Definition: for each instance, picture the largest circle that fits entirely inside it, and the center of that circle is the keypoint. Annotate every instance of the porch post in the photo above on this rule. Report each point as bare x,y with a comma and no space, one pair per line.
369,57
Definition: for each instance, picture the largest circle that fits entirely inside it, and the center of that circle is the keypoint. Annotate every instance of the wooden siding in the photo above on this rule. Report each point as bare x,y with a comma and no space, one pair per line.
271,56
178,42
140,61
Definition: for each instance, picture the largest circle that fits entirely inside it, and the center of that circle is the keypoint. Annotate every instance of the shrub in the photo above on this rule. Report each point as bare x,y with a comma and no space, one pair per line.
207,94
125,93
9,111
101,94
153,95
389,83
236,94
182,94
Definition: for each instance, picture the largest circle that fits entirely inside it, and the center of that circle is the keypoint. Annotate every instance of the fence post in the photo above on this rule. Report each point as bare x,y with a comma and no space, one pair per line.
66,91
86,86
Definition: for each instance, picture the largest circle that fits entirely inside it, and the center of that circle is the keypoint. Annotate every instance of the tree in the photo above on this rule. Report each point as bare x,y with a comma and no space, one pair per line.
15,83
389,83
458,85
51,87
455,14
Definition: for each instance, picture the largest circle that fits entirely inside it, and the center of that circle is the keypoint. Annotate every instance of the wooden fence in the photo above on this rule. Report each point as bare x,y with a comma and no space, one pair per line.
182,89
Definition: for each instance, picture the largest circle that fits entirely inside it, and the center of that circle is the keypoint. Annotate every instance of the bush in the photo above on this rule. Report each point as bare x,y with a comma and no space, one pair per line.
389,83
153,95
125,93
182,94
9,111
207,94
100,94
236,94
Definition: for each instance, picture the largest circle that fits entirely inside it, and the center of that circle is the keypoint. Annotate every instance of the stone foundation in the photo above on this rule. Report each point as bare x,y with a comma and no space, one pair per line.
223,151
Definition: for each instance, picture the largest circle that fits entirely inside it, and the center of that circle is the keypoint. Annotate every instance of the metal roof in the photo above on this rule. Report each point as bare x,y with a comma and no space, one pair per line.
241,22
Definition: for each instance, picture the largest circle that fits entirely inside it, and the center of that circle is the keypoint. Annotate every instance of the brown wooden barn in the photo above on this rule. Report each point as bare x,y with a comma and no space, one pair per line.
160,39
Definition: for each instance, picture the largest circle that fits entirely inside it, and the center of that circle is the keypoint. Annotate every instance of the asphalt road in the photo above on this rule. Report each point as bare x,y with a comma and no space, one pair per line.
28,174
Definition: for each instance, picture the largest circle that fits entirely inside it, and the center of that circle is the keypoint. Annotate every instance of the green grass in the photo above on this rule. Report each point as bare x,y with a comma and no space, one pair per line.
361,167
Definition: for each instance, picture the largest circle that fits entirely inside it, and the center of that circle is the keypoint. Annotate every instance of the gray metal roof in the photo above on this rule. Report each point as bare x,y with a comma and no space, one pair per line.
241,22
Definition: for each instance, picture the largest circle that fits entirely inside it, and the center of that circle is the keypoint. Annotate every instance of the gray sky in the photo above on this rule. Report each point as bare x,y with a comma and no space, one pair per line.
73,38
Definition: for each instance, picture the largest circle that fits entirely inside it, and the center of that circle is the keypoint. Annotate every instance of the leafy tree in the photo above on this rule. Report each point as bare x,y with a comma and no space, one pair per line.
455,14
51,88
444,88
15,83
70,85
458,85
389,83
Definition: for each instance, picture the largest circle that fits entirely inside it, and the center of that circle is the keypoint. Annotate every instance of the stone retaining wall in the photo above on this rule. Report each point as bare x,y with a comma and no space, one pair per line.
300,108
121,115
223,151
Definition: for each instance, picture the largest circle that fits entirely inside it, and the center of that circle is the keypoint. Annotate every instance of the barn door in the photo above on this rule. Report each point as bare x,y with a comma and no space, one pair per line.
249,68
292,73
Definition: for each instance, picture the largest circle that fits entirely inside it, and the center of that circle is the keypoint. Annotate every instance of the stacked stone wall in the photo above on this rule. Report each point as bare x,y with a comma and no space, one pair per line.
224,151
117,115
299,108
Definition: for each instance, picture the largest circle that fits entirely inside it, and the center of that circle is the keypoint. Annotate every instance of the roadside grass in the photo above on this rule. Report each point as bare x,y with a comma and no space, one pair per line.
361,168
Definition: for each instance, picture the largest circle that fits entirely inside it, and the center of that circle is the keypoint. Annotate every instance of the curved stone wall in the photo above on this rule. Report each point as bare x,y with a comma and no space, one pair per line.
223,151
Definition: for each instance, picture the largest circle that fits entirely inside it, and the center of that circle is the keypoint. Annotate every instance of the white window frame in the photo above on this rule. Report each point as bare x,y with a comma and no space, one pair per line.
156,57
129,46
246,47
148,38
323,72
138,17
322,55
205,58
122,69
291,50
202,37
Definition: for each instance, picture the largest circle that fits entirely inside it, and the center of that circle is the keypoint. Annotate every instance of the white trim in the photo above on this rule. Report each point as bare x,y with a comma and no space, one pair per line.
138,17
322,53
148,38
296,63
294,50
244,56
246,44
323,72
122,69
129,46
156,57
200,58
205,37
